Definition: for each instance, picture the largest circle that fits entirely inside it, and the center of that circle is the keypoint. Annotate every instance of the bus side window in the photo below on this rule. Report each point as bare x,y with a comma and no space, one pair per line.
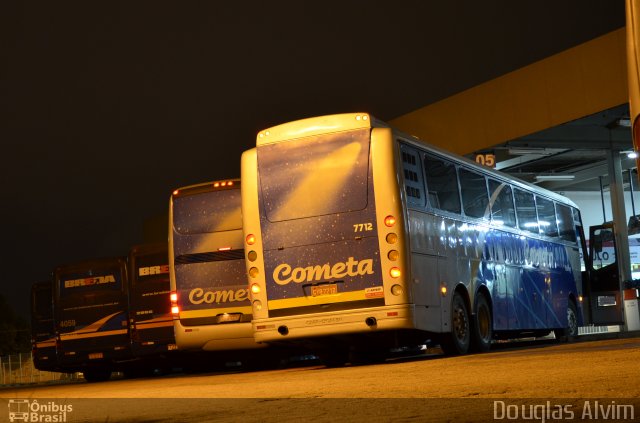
501,201
442,183
565,223
475,200
526,211
546,217
413,185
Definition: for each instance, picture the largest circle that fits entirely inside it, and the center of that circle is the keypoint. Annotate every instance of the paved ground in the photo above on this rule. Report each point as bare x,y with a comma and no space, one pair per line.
435,386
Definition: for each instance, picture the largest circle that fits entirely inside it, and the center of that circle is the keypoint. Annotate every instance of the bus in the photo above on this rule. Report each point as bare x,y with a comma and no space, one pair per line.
360,237
210,298
90,308
43,330
150,321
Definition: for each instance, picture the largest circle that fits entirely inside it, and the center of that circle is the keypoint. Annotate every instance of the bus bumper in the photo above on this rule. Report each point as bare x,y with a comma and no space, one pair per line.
365,320
220,337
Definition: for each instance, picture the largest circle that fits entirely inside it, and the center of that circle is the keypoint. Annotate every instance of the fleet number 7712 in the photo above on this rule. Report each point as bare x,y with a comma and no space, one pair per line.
361,227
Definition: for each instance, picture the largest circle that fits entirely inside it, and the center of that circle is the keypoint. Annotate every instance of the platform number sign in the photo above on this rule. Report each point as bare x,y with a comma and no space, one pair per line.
486,159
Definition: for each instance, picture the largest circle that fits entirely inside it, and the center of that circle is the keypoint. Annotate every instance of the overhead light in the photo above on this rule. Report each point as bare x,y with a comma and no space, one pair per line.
555,177
630,154
624,122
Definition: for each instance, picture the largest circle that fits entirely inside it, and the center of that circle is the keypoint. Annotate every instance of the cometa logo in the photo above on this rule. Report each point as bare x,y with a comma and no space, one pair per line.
199,296
96,280
284,273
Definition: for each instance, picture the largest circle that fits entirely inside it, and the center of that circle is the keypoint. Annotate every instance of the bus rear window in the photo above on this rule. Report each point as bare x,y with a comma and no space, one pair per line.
151,268
90,281
315,176
207,212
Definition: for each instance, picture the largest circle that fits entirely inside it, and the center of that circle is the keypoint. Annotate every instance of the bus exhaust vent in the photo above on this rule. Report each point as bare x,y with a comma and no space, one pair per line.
210,256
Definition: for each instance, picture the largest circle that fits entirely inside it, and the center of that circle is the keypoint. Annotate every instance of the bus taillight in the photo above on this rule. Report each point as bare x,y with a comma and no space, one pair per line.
389,221
255,288
173,296
251,239
395,272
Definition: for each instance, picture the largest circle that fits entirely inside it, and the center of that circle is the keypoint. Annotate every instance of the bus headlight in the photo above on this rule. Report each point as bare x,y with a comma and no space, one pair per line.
397,290
253,272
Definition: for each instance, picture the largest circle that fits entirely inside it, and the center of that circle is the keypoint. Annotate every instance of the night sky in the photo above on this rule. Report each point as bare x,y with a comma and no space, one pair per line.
106,108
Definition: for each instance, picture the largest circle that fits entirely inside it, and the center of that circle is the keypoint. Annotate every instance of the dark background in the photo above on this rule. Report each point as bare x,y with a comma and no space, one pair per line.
105,108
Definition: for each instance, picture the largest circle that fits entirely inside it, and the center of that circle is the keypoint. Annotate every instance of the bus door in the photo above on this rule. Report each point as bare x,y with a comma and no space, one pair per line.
603,281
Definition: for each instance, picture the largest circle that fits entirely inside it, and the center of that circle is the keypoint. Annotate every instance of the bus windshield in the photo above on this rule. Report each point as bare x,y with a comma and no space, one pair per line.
317,176
207,212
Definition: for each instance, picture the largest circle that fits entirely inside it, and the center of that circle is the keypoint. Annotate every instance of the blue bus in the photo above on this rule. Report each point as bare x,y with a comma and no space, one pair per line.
91,315
359,237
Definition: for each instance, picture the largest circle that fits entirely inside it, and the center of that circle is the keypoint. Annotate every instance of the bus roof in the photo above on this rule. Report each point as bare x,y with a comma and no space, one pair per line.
317,125
207,186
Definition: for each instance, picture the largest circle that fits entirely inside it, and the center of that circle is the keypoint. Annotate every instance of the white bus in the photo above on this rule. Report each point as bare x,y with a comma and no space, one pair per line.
360,237
209,295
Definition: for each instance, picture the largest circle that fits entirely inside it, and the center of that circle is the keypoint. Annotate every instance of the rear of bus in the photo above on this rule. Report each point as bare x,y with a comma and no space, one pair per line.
210,299
324,232
43,330
150,318
91,316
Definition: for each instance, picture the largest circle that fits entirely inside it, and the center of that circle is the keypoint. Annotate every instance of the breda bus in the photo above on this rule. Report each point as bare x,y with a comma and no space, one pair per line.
150,319
43,328
90,307
359,236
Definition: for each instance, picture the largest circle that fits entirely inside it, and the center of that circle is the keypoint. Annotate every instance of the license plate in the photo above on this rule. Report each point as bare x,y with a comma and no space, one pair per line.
227,318
95,356
328,289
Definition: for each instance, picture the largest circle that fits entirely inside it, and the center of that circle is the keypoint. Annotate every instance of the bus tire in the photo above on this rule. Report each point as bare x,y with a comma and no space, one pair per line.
482,325
97,374
571,331
458,340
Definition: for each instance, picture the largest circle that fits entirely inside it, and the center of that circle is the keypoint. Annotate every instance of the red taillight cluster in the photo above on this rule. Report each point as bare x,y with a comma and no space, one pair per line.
175,310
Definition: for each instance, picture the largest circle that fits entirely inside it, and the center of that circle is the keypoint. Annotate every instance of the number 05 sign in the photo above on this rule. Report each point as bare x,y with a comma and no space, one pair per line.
487,159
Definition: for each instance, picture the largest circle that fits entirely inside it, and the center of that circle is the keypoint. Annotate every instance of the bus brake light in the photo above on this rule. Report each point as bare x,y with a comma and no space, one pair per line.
173,297
251,239
175,310
395,272
389,221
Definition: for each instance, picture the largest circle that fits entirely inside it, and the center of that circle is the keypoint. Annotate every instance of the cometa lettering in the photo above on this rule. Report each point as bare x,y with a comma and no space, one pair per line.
284,274
96,280
199,296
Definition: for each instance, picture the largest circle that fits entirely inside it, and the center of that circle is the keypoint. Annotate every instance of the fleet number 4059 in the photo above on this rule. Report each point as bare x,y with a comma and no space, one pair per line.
361,227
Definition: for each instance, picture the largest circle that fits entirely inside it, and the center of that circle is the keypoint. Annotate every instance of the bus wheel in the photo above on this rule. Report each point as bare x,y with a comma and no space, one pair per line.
97,374
457,342
482,331
571,331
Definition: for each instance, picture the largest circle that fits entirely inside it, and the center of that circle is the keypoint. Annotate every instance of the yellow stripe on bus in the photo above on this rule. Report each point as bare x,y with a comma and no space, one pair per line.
324,299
